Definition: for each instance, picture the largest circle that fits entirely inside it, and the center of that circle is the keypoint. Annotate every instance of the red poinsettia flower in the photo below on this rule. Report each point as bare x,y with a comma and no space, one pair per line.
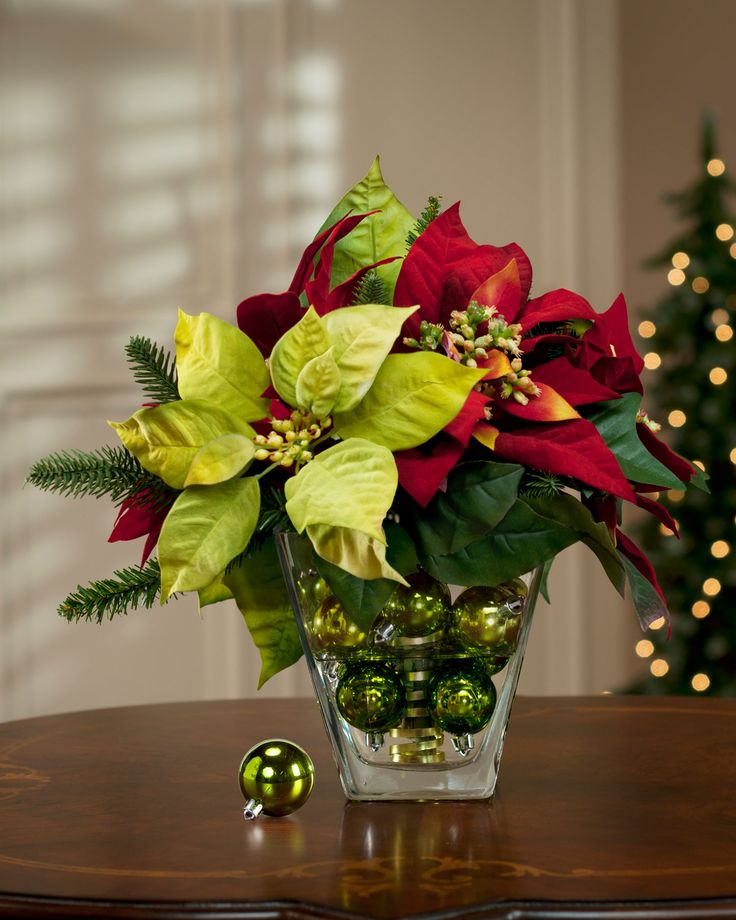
140,516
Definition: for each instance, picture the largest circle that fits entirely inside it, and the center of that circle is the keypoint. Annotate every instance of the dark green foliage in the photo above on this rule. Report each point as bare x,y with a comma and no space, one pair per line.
128,588
272,517
371,289
109,471
685,339
153,368
431,211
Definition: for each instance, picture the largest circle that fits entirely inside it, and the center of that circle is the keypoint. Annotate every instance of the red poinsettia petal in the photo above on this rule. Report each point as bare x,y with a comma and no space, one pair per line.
461,427
666,456
266,317
530,344
603,508
497,364
629,549
611,334
577,386
344,294
555,307
486,434
152,540
422,474
549,406
133,521
659,511
501,290
618,374
573,448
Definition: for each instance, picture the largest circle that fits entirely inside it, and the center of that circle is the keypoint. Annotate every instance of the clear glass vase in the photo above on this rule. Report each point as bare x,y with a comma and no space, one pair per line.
417,709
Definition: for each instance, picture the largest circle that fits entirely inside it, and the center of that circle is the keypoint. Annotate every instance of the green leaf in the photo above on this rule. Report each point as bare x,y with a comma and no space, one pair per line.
648,604
412,398
377,237
220,460
306,340
700,480
362,338
543,581
166,439
218,362
352,550
616,423
522,541
478,497
214,593
206,528
258,587
363,600
318,384
569,511
350,485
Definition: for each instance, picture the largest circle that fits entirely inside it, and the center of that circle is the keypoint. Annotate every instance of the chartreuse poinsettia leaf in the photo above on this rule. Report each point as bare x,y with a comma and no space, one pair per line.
214,593
166,439
217,362
412,398
258,587
616,423
362,338
519,543
379,236
363,600
478,497
595,535
318,384
352,550
220,460
648,604
306,340
207,527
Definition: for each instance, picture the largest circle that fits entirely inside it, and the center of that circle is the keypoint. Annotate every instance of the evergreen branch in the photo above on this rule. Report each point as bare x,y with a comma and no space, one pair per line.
430,213
153,368
371,289
109,471
128,588
540,485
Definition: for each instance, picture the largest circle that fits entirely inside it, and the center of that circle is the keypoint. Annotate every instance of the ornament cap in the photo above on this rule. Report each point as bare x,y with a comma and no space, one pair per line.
252,809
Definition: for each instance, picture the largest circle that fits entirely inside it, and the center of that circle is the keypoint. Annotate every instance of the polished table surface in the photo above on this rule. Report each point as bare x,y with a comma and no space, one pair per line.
606,806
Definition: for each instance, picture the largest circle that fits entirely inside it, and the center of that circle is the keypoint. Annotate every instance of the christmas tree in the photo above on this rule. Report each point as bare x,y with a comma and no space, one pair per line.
691,349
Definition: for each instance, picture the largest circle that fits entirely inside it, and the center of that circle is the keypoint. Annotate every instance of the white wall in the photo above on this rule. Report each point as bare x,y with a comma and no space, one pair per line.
164,154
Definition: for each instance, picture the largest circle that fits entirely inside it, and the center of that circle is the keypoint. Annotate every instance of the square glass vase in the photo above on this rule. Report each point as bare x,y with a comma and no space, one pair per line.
417,707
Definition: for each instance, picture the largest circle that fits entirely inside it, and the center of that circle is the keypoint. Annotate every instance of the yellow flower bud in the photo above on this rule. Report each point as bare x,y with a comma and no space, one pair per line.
261,454
287,461
276,456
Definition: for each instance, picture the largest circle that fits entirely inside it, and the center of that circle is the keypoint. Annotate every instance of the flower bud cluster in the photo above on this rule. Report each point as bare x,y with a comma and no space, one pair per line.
464,325
518,384
430,336
642,417
289,441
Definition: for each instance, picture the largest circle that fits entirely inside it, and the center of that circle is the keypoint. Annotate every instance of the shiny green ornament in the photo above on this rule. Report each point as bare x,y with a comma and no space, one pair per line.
461,697
488,619
370,697
332,631
419,610
494,664
313,589
276,777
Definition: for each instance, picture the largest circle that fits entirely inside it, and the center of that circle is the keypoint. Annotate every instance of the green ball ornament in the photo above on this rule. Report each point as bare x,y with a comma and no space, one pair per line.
370,697
332,631
488,619
461,698
276,777
494,664
419,610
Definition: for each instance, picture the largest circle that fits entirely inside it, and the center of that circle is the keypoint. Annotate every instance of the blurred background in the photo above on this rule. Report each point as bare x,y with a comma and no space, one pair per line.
165,153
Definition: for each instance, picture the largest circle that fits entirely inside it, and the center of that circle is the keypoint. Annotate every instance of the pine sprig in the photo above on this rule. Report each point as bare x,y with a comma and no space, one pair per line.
108,470
371,289
153,368
108,597
430,213
541,485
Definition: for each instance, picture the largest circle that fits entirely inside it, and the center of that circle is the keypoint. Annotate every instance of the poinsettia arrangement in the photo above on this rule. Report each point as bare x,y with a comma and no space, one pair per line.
405,403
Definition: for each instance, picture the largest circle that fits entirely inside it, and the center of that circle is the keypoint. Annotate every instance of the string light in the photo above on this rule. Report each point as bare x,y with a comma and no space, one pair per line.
724,232
718,376
675,495
716,167
659,667
652,360
657,624
711,587
677,418
732,456
667,531
700,609
700,284
700,682
644,648
700,465
719,316
724,333
675,276
647,329
732,250
680,260
720,549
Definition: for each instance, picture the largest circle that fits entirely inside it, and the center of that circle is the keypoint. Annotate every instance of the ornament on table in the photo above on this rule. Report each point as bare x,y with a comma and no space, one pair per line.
332,631
276,778
461,700
371,697
313,589
420,610
489,619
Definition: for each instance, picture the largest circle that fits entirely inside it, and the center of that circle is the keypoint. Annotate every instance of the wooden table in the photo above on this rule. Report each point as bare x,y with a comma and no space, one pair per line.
606,806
